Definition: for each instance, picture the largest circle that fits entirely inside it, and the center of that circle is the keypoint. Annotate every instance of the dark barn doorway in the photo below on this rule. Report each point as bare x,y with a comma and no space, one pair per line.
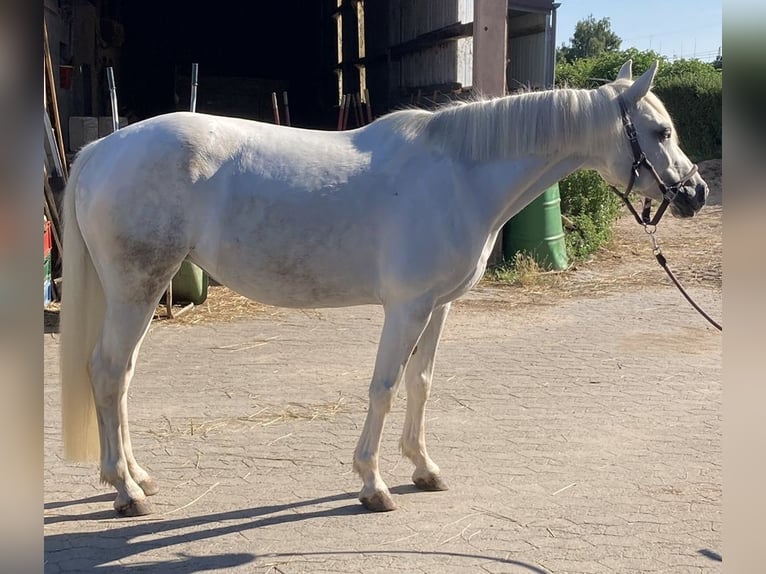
245,51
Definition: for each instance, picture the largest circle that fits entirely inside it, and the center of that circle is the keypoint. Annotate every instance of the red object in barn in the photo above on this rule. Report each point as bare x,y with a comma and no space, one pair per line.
47,239
65,77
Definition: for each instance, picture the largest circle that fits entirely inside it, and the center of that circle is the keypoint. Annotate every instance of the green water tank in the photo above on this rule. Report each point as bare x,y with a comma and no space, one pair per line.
537,230
190,284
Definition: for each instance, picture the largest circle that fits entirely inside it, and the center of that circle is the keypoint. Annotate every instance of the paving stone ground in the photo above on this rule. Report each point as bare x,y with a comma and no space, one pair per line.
581,436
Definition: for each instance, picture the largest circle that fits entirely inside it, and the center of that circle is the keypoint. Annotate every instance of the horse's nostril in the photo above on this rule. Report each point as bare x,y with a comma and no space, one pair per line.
701,193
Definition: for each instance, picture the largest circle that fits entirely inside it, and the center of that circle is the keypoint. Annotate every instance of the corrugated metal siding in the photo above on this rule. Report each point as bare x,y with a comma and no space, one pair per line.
412,18
448,62
465,61
526,62
465,10
437,65
451,62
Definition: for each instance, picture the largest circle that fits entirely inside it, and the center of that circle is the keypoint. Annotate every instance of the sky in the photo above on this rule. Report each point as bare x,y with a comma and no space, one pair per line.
672,28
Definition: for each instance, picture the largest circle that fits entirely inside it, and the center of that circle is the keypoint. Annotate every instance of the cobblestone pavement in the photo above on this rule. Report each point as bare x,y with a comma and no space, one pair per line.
578,436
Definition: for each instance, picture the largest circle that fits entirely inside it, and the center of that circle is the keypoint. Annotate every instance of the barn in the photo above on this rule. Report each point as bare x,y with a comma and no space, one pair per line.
321,56
400,51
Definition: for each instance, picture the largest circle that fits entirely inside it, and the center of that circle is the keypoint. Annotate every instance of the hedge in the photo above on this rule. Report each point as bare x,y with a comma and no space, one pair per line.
695,104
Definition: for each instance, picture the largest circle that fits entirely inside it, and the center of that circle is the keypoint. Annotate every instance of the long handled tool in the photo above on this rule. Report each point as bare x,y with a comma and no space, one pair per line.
113,96
367,106
194,74
287,108
169,292
275,107
341,111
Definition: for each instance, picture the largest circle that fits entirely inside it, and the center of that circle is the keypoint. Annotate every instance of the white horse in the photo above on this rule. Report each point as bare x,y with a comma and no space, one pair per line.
401,213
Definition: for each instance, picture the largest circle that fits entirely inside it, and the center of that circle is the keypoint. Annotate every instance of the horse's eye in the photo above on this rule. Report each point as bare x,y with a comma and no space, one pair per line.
664,134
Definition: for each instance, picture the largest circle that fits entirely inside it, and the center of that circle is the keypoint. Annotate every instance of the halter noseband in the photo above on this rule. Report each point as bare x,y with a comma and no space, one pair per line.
669,192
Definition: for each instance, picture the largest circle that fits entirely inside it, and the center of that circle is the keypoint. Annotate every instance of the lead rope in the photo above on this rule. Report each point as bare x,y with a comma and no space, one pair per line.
664,264
650,228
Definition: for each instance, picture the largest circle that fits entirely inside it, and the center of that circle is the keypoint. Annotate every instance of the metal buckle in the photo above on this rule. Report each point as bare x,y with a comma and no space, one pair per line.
670,193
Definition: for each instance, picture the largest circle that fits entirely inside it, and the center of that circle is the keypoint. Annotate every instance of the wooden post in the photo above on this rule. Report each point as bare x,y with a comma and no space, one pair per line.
490,40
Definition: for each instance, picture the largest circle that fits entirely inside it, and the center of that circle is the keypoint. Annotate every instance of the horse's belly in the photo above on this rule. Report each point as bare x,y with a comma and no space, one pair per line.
298,295
304,283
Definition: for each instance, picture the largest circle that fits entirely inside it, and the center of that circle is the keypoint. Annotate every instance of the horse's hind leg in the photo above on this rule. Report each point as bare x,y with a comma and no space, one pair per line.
418,378
146,482
402,328
111,367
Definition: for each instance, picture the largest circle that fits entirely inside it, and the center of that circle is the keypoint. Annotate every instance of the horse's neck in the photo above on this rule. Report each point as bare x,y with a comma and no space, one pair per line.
504,188
563,139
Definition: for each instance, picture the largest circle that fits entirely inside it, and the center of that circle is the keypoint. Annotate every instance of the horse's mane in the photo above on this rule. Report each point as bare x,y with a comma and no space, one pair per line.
520,124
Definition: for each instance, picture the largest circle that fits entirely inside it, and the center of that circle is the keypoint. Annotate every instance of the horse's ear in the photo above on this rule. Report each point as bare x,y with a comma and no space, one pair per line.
626,72
641,86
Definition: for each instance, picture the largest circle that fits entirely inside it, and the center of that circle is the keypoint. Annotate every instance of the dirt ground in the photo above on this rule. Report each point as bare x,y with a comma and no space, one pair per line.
577,421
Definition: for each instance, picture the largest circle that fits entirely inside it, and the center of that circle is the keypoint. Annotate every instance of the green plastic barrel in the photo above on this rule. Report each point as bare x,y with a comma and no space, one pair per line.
537,231
190,284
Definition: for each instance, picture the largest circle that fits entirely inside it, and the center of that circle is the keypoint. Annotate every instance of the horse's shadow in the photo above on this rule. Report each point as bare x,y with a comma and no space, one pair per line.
51,321
92,550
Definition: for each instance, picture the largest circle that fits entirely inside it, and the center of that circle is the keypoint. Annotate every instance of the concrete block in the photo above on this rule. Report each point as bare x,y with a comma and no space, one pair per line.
105,125
82,130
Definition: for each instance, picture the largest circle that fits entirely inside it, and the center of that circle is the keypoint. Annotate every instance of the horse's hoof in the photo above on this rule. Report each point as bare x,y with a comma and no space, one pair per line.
149,486
378,502
134,508
430,483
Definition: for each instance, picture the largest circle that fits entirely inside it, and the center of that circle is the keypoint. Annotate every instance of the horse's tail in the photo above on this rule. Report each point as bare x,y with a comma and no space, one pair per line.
82,313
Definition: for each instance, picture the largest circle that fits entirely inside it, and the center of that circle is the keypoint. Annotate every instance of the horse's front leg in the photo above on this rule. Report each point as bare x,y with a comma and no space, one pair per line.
418,378
402,328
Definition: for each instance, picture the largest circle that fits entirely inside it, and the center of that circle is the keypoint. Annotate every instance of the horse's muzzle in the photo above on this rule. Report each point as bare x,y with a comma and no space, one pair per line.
689,200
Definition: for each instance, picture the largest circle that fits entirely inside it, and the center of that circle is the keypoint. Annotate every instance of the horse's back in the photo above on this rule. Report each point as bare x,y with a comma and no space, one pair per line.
289,217
265,209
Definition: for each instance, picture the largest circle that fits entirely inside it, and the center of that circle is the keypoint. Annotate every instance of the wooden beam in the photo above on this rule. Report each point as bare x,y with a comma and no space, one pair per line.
533,5
526,24
432,38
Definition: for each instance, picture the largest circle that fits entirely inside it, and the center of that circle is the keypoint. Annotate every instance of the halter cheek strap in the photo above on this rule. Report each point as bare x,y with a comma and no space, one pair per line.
669,192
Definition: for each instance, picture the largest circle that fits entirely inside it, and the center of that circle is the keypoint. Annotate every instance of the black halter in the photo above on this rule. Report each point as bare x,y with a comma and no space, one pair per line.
669,192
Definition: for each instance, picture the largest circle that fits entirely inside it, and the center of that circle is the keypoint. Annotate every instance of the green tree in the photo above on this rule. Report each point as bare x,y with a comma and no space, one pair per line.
591,38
